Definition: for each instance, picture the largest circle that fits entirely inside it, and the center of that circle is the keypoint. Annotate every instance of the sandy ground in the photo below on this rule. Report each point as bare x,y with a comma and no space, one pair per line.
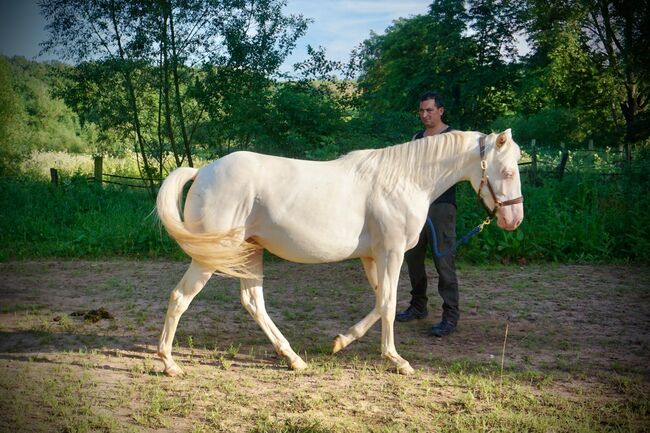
584,321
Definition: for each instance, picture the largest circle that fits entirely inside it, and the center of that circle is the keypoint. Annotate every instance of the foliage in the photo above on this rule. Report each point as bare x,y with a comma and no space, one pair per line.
589,215
589,52
32,118
167,63
78,219
181,82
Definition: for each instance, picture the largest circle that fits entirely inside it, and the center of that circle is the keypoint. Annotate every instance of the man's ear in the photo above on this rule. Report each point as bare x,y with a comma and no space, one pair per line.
504,137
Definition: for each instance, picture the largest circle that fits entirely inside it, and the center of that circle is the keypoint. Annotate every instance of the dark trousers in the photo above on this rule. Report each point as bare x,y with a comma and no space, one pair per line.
443,216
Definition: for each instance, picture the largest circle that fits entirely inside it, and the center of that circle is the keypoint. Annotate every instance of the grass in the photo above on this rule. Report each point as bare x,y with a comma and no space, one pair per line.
586,217
353,399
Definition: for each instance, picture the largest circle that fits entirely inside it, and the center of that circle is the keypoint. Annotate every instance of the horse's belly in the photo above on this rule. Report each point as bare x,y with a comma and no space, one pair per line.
317,248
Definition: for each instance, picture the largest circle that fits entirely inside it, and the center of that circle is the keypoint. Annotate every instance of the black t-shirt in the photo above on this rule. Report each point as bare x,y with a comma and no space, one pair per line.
448,196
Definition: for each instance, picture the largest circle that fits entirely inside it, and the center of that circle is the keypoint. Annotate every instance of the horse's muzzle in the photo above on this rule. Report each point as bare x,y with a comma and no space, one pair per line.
510,217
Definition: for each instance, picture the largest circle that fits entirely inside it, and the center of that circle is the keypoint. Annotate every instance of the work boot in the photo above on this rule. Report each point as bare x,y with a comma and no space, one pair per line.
442,329
411,313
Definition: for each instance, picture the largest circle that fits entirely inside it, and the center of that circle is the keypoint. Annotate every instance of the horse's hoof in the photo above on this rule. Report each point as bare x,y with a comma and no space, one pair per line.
298,365
338,344
405,369
174,371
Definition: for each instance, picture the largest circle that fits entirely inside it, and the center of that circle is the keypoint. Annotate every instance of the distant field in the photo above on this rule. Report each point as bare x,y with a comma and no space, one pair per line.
575,356
68,164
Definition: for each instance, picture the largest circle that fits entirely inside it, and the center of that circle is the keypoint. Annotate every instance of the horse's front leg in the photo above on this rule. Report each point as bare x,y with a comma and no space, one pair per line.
359,330
252,298
192,282
388,268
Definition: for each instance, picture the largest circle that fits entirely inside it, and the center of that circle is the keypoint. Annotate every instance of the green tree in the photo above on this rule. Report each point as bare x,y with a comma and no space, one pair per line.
465,50
168,59
596,58
10,112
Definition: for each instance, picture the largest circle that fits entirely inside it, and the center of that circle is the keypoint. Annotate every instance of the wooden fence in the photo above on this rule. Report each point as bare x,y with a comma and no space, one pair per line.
532,168
535,168
100,177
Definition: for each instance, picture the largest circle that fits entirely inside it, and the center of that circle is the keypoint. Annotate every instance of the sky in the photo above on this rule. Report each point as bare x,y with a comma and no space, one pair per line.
338,25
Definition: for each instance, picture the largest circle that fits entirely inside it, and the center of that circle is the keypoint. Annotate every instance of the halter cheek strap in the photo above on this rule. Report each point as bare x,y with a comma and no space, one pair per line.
485,181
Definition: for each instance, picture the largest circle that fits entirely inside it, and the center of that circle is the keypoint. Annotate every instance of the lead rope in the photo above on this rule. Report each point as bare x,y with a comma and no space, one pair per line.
465,239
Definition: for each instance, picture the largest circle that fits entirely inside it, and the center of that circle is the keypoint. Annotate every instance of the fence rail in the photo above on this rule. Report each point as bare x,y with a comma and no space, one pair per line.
533,168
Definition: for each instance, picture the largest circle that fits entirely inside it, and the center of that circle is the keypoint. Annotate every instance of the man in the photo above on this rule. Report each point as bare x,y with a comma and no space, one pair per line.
443,215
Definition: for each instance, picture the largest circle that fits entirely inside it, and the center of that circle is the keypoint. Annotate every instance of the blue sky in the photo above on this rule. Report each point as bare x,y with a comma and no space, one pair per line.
338,25
341,25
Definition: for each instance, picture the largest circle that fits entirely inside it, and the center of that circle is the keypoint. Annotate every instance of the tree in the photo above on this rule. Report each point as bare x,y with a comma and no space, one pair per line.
465,50
165,53
609,40
10,111
426,52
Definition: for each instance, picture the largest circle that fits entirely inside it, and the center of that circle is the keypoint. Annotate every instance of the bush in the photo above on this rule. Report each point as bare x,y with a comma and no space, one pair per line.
584,217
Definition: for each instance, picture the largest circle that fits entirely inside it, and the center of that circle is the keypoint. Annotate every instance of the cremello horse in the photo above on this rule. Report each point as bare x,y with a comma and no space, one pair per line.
370,204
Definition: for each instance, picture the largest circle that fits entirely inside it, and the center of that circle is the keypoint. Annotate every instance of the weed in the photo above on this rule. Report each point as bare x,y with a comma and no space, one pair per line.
233,350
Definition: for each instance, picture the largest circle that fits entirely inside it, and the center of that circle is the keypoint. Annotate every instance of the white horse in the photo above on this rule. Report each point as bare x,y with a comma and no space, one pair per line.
370,204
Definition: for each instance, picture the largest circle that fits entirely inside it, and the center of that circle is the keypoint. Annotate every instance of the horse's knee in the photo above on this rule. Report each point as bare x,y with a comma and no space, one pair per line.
178,303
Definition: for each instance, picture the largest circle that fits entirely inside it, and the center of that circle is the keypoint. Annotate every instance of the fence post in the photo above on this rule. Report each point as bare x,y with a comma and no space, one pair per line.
533,162
563,161
54,175
99,167
591,144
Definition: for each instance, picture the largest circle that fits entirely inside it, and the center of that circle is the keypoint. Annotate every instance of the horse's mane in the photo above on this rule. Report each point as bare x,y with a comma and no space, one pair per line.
415,160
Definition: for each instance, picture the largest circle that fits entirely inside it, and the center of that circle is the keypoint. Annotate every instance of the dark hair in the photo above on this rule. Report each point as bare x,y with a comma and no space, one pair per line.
435,96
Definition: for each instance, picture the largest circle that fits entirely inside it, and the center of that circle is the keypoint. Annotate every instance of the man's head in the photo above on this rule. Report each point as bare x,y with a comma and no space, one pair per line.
432,109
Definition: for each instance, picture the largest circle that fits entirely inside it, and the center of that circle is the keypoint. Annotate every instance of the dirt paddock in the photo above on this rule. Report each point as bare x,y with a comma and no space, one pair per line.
78,341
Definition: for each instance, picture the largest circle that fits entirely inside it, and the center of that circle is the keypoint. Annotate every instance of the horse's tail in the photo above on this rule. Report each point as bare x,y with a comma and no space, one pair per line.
225,253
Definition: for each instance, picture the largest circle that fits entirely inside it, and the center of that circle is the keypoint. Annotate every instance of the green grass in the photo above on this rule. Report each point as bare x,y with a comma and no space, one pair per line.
586,217
78,219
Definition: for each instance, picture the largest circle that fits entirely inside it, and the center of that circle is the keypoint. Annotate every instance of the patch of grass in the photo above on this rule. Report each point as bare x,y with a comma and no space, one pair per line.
289,426
17,308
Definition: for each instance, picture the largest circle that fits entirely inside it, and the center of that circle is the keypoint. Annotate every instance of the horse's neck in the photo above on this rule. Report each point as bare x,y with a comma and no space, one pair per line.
431,165
445,160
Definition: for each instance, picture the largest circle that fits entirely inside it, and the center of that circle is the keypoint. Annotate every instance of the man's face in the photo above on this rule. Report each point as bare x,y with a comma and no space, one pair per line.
430,115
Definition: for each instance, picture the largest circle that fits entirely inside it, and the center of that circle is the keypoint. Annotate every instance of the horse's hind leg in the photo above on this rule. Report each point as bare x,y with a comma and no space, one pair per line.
359,330
192,282
253,300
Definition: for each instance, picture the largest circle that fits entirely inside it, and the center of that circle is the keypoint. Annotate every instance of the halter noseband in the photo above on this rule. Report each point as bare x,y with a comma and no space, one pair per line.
485,181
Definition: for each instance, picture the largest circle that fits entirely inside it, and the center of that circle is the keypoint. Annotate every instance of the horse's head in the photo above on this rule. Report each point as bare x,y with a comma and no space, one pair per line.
497,181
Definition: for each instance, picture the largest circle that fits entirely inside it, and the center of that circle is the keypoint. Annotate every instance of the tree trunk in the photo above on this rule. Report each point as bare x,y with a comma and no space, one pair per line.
133,102
166,88
179,106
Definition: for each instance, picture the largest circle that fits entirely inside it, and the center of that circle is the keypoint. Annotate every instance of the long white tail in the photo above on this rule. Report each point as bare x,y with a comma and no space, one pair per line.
225,253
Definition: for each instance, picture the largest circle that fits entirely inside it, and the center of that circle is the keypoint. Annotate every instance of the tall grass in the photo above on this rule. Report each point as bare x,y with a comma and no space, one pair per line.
78,219
38,164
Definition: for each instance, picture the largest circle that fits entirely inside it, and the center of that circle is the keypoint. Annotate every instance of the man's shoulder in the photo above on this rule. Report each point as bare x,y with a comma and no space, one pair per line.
421,133
418,135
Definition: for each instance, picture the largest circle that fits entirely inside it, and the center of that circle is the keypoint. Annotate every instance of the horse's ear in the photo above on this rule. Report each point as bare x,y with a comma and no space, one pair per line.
503,138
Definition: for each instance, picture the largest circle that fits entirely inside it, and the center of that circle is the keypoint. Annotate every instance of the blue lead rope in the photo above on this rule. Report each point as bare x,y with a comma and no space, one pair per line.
461,241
